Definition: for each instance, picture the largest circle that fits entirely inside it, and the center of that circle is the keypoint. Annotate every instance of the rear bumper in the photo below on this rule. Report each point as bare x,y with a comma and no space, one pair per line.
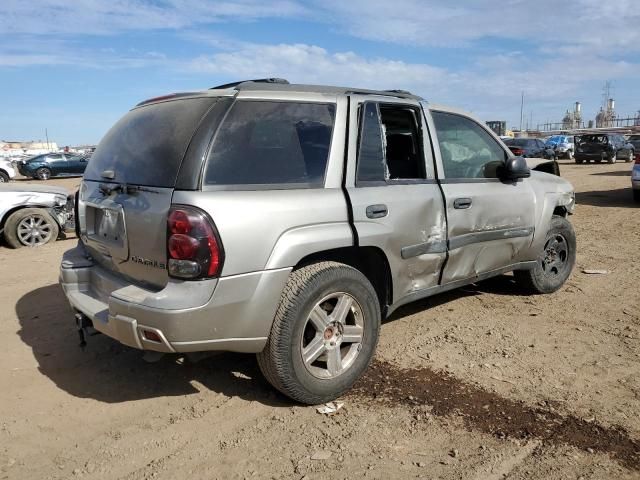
231,313
593,156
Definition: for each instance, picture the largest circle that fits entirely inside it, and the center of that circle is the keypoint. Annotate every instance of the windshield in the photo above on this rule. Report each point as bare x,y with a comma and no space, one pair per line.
147,145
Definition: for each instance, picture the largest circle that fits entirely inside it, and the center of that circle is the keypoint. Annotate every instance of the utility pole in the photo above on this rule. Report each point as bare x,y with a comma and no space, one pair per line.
521,109
46,134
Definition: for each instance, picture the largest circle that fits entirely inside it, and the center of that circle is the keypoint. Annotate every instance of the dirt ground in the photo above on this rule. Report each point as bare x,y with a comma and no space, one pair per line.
479,383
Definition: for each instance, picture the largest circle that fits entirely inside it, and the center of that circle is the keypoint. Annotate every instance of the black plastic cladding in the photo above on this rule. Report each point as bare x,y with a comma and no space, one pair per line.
190,172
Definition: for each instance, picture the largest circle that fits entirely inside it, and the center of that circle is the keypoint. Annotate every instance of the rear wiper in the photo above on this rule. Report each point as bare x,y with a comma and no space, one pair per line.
109,188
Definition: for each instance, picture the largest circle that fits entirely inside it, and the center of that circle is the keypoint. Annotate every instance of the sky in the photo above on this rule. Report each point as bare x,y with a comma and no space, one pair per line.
73,67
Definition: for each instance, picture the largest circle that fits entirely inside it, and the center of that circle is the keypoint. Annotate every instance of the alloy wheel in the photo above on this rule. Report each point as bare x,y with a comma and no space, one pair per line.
332,337
34,230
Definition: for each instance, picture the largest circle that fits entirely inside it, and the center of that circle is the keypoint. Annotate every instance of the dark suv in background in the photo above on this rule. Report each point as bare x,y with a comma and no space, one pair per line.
603,146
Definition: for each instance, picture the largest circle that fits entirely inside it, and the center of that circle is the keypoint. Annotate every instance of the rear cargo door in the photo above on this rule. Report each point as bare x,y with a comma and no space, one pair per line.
128,187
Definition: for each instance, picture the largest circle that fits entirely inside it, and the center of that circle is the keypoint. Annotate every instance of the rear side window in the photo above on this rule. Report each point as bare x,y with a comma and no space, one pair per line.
147,145
272,143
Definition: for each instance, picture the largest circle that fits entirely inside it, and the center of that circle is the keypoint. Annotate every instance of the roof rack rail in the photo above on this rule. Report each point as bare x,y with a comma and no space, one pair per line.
403,92
281,81
389,93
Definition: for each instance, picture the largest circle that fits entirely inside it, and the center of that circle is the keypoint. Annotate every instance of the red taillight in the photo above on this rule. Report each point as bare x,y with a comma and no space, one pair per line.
517,151
183,247
637,162
179,222
193,245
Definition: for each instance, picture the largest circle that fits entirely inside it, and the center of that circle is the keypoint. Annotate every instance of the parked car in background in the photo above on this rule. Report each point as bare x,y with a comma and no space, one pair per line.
562,144
49,165
599,147
7,172
260,224
33,215
635,179
635,141
530,147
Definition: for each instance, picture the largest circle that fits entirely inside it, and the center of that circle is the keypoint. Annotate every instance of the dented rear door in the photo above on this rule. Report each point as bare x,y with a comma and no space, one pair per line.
403,217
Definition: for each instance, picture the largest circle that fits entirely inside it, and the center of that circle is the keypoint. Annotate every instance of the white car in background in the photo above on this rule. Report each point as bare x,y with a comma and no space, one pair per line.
563,145
33,215
7,172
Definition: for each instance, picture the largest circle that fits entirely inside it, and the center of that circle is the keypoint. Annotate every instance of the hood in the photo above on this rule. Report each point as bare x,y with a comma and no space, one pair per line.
553,183
30,187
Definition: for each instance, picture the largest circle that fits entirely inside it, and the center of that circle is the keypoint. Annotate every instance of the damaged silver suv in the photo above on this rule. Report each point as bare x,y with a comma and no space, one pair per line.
289,220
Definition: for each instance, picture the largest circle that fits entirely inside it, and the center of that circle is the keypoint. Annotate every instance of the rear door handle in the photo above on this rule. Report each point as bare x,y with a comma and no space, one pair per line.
462,203
377,211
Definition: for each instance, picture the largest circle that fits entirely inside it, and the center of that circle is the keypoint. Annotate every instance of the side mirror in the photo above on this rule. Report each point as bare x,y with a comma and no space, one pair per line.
514,168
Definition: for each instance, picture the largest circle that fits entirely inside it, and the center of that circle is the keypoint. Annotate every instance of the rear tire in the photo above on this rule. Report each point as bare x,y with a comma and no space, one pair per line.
579,161
555,262
43,173
613,159
30,227
4,178
570,154
630,157
322,303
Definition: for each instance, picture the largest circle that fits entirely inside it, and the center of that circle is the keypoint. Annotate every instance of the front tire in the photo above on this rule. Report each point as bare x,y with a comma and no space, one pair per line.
324,333
30,227
555,263
613,158
578,161
630,157
4,178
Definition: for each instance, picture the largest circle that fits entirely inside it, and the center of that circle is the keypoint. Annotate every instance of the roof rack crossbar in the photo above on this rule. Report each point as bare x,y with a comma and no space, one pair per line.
281,81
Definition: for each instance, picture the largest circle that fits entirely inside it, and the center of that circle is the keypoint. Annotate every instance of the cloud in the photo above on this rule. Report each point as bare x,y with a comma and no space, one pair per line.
27,51
490,85
578,24
98,17
313,64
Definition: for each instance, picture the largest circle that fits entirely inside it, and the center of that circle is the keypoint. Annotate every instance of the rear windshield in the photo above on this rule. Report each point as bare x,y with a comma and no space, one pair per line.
592,139
518,142
272,143
147,145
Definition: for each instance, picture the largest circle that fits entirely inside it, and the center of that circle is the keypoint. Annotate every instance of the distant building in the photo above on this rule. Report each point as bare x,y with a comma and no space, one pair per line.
14,149
498,126
573,119
606,118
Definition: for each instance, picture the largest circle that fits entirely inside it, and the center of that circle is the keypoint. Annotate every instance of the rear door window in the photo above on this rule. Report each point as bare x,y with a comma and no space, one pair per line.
390,144
274,143
147,145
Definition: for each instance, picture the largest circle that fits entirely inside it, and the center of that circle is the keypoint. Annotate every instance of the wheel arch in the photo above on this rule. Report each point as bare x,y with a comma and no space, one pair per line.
370,261
13,210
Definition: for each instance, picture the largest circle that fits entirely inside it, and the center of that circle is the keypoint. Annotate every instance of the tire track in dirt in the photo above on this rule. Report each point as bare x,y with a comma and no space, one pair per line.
487,412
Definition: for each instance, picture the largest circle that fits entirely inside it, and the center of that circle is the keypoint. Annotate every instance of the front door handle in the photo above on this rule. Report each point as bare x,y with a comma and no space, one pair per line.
377,211
462,203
